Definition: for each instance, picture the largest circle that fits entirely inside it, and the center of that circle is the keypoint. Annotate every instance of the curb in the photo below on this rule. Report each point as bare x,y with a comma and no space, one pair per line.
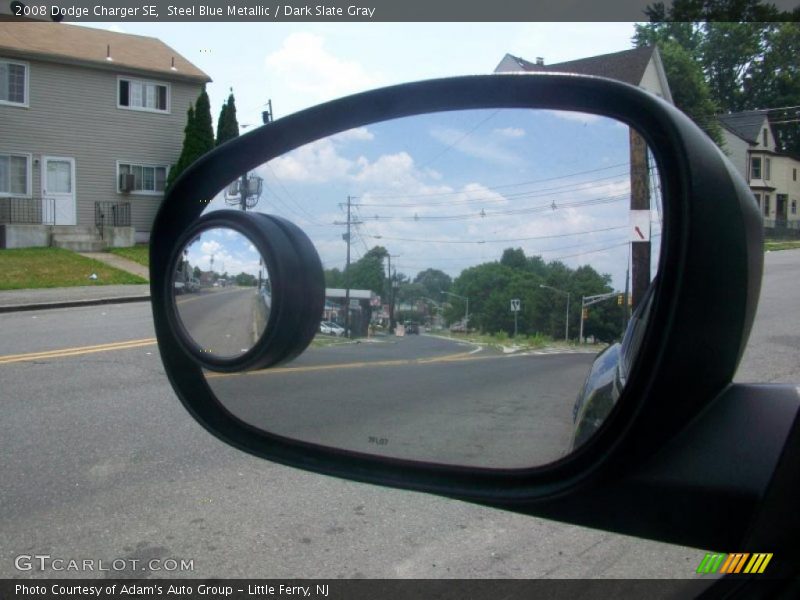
72,303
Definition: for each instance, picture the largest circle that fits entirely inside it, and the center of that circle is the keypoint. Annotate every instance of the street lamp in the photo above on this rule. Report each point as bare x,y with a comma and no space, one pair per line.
566,328
466,313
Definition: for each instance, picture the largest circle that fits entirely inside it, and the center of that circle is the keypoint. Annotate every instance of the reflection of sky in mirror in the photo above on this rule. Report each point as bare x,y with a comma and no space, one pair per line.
232,253
452,190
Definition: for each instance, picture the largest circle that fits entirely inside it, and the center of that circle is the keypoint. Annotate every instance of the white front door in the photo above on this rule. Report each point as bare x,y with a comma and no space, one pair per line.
58,183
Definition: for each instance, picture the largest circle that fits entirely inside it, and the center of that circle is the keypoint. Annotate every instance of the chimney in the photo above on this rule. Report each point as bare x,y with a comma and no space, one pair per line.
540,61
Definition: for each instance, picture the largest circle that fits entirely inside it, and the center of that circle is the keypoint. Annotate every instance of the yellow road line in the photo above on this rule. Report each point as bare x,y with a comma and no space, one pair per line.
460,357
77,351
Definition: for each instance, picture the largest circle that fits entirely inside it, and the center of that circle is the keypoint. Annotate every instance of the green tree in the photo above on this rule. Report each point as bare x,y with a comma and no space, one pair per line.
434,281
246,280
491,286
334,278
227,125
188,130
514,258
204,129
718,10
748,53
198,136
687,83
367,273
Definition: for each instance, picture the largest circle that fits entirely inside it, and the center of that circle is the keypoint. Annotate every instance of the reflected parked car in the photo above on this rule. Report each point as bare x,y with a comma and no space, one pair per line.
411,327
330,328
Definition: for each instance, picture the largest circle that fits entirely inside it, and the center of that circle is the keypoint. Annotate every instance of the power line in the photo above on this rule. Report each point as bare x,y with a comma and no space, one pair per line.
309,218
498,187
537,193
502,213
459,140
496,241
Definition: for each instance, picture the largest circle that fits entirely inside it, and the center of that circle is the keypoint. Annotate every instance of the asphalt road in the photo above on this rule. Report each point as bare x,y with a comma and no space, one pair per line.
100,461
221,321
418,397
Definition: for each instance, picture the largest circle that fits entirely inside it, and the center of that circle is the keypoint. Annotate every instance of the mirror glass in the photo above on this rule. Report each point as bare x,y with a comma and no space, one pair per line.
222,292
487,275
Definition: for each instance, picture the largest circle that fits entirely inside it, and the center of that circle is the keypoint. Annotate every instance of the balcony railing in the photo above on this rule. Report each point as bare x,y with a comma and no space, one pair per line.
112,214
28,211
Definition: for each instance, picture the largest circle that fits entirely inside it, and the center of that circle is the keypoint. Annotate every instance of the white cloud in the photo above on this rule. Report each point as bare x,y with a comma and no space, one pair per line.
307,66
471,145
576,117
360,134
313,163
210,247
510,132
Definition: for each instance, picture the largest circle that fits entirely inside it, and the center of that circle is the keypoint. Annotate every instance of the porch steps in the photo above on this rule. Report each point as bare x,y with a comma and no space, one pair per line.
78,238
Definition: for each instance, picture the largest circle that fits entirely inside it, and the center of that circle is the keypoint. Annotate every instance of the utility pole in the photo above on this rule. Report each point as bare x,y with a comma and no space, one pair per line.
640,201
347,238
266,115
391,291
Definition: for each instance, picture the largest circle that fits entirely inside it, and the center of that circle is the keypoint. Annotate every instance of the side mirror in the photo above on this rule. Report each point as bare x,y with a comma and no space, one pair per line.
676,362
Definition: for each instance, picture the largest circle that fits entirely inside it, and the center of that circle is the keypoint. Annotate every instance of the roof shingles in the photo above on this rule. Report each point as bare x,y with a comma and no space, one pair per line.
628,66
747,125
59,42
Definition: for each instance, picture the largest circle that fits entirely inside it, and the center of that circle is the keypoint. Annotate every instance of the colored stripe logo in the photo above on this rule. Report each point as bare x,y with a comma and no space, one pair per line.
738,562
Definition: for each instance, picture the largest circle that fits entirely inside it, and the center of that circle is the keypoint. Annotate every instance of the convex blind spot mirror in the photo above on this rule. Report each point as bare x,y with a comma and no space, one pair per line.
244,288
498,337
223,292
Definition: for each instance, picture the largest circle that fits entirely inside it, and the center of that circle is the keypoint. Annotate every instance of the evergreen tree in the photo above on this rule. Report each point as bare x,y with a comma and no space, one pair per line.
178,167
227,126
221,123
198,136
204,125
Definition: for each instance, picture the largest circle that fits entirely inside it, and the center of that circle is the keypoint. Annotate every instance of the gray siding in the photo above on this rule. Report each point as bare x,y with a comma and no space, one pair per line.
73,112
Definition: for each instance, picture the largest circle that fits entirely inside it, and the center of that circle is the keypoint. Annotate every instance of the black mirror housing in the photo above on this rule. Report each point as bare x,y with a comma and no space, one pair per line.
703,304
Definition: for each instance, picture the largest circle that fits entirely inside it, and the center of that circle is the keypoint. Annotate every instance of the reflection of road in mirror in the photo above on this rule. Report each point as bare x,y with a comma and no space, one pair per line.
224,321
419,397
480,260
222,292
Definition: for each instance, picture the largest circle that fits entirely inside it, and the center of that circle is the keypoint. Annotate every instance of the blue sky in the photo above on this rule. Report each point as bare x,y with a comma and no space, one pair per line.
297,65
231,251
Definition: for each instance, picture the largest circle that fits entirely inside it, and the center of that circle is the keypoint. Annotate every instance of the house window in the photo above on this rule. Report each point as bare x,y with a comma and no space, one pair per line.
147,179
794,174
765,137
794,207
766,168
758,199
15,174
755,168
137,94
766,205
13,83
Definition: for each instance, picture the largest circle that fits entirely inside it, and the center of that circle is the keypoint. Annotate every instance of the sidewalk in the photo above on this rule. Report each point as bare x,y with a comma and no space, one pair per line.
17,300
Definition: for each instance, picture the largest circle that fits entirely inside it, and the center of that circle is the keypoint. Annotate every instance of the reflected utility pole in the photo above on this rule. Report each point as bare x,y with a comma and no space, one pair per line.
347,238
392,284
640,233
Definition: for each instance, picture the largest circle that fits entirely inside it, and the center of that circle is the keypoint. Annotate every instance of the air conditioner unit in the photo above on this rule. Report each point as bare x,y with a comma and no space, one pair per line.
126,182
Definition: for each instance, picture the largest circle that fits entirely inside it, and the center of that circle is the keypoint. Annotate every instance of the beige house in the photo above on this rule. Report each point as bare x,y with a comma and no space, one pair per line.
772,176
91,121
641,67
